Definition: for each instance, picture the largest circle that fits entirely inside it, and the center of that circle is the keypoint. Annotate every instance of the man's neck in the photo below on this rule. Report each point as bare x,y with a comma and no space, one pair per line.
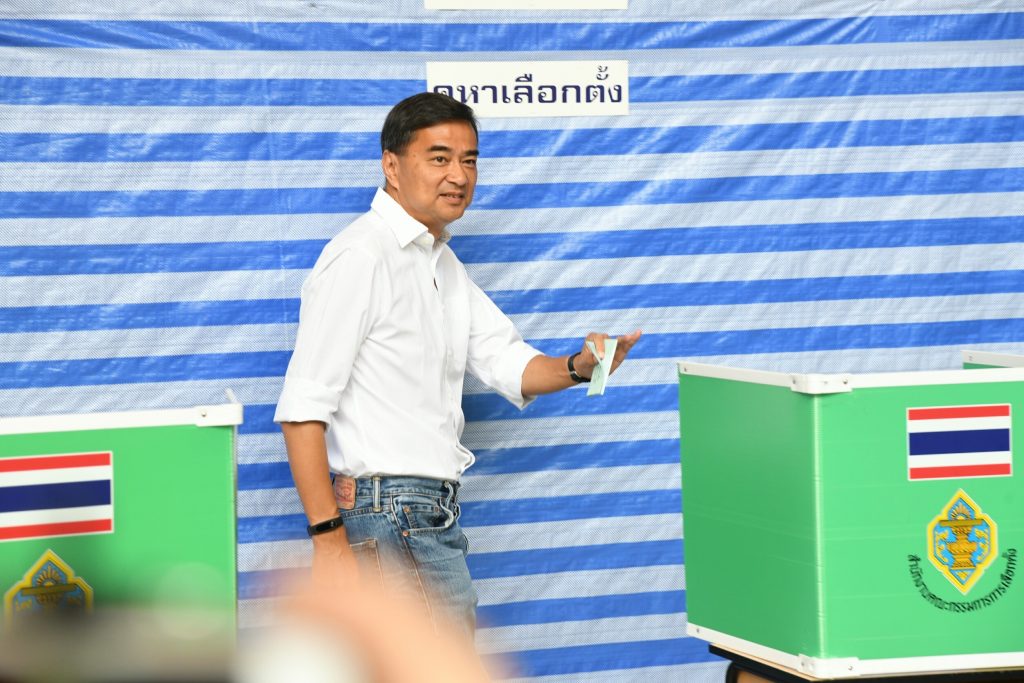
436,232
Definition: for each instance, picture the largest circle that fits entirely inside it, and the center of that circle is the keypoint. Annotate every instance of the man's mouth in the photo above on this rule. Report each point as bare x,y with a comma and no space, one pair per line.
452,196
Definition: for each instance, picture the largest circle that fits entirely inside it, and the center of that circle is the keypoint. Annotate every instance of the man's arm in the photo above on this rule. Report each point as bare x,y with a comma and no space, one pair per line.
548,374
333,559
326,344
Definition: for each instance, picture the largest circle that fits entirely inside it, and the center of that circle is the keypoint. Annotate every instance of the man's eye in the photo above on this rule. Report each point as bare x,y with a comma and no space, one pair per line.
470,162
440,160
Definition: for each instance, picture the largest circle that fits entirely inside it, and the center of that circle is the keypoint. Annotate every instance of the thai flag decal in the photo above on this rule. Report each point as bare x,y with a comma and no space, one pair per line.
955,442
56,495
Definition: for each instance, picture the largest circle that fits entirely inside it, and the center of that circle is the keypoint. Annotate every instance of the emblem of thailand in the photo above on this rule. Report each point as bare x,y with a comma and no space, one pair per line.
962,542
49,586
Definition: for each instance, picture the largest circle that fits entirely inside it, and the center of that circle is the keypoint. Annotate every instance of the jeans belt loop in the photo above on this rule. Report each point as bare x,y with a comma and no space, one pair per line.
376,494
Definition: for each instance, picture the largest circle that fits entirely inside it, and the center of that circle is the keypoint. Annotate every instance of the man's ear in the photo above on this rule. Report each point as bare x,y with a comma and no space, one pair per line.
389,164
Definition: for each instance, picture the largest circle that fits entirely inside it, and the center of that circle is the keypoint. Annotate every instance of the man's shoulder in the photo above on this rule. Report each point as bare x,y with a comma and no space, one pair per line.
367,231
365,237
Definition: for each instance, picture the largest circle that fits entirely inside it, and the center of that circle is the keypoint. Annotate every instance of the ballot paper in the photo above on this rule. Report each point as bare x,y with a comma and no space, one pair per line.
603,367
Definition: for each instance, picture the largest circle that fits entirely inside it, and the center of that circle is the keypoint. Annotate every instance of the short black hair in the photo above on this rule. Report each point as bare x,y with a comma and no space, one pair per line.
423,110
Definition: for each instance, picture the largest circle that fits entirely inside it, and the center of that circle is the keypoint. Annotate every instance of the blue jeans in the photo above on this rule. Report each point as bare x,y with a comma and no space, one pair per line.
405,533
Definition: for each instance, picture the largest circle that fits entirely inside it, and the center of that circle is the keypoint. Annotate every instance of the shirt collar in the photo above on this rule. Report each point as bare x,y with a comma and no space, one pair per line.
405,228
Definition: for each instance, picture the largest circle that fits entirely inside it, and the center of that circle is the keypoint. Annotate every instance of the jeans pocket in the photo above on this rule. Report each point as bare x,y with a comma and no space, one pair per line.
368,560
420,513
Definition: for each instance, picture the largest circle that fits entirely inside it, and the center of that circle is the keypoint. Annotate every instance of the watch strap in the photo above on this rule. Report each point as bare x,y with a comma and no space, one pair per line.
325,526
572,370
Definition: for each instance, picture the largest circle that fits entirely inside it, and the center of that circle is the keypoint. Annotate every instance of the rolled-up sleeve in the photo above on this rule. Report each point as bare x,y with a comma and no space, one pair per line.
335,316
497,354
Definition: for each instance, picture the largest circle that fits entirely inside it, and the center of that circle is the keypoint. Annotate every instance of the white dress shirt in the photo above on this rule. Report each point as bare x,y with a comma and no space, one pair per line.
388,326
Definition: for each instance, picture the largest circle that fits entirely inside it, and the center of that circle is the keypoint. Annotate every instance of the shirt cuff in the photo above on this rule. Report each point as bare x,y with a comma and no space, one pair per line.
303,400
509,373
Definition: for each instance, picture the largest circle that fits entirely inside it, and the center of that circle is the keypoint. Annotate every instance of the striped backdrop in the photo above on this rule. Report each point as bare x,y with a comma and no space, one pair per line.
799,187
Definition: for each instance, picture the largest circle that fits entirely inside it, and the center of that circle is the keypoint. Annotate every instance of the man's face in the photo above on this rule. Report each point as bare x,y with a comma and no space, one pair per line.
434,178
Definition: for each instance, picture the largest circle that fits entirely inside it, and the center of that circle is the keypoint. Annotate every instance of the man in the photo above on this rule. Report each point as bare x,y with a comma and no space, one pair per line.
389,324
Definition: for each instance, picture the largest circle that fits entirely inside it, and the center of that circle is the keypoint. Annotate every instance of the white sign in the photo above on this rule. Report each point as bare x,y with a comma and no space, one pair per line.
526,4
515,89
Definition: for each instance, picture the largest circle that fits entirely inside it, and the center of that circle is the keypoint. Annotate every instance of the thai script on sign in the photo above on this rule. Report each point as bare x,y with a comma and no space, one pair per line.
524,92
526,4
535,88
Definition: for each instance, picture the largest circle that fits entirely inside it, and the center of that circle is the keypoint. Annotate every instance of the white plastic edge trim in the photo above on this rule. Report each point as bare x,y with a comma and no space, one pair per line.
852,667
841,383
843,668
906,379
805,384
779,379
201,416
822,384
1006,360
744,647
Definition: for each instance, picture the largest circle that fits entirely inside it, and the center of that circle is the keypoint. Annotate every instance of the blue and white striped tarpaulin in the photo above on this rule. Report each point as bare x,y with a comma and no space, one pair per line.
798,186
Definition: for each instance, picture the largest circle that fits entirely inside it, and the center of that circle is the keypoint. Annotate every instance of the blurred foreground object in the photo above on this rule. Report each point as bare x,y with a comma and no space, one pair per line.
333,635
120,644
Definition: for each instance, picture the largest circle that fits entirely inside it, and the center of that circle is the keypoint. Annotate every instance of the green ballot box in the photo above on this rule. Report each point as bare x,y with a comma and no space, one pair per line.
856,525
119,510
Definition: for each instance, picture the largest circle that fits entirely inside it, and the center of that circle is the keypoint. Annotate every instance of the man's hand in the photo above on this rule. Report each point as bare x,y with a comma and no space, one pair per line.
586,361
547,374
334,563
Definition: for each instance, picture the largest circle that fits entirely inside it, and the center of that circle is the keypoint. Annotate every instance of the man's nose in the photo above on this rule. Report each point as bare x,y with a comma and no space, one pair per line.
457,174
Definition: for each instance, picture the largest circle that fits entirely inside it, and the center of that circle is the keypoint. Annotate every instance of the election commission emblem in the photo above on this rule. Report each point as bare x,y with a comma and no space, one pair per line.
50,586
962,542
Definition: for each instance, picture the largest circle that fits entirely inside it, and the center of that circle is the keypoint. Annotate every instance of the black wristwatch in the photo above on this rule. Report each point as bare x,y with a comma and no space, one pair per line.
572,370
324,527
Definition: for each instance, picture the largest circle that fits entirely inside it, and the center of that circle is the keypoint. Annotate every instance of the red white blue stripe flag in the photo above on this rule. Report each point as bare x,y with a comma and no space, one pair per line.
56,495
959,441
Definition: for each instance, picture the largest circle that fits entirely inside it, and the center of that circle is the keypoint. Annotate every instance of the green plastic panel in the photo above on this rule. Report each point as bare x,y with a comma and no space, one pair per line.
173,539
874,518
802,525
749,502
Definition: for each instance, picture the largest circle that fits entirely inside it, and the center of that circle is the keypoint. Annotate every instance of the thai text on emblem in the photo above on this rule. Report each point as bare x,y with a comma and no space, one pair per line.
50,586
962,542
